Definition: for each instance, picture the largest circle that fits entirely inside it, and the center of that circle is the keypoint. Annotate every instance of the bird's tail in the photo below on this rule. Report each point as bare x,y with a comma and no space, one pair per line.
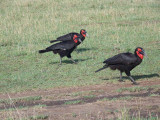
104,67
53,41
43,51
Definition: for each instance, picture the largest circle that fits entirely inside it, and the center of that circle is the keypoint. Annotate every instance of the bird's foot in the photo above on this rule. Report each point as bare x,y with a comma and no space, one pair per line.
59,65
135,83
77,51
120,80
75,62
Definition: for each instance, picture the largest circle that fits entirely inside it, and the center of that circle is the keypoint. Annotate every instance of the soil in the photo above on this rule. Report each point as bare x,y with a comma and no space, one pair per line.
94,102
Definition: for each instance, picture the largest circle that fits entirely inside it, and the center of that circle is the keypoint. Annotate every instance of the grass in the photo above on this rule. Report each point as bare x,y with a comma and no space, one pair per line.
115,99
73,102
152,95
85,93
137,88
114,27
132,89
10,114
39,117
125,114
89,96
24,99
23,108
74,115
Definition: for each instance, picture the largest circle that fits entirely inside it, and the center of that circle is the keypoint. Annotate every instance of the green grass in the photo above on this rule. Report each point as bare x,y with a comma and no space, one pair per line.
114,27
132,89
154,95
125,115
142,118
86,93
39,117
23,108
74,115
89,96
115,99
24,99
73,102
138,88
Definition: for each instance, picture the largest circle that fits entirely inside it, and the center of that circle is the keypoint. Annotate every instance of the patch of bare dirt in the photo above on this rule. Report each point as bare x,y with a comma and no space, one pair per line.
87,102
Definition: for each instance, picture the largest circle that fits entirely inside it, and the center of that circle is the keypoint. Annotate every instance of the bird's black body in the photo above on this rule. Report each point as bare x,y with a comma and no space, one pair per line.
64,48
124,62
70,36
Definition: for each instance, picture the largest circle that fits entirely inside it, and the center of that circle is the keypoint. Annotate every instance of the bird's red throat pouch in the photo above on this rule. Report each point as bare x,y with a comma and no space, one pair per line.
74,38
84,35
75,41
139,55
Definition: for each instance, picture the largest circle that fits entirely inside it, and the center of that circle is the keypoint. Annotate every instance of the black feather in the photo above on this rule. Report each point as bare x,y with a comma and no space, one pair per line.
104,67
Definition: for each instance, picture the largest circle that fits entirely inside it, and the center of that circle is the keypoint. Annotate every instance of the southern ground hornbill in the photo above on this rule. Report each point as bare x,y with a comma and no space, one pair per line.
125,62
69,36
64,48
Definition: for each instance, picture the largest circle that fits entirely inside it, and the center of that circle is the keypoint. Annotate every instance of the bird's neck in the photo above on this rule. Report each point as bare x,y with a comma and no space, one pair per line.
82,37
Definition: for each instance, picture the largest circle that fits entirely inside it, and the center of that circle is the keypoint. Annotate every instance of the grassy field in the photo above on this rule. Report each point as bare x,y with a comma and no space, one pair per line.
27,26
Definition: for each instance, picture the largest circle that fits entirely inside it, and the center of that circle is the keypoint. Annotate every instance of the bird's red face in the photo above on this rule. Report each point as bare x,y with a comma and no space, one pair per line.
140,52
83,32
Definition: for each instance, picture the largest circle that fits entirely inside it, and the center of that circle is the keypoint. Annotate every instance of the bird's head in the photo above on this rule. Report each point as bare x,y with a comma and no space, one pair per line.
140,52
83,32
77,39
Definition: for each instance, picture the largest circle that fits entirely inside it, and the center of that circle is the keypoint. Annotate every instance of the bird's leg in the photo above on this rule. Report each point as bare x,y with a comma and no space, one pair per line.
60,61
132,80
73,60
121,77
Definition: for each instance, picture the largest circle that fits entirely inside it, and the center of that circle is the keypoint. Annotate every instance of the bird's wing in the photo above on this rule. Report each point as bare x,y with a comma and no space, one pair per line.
66,37
62,45
122,58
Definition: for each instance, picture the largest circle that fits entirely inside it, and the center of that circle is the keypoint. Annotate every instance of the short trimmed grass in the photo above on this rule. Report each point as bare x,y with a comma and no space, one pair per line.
114,27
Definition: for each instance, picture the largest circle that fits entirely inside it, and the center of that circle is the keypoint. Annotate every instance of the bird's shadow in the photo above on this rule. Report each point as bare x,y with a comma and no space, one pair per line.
136,77
79,50
69,61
